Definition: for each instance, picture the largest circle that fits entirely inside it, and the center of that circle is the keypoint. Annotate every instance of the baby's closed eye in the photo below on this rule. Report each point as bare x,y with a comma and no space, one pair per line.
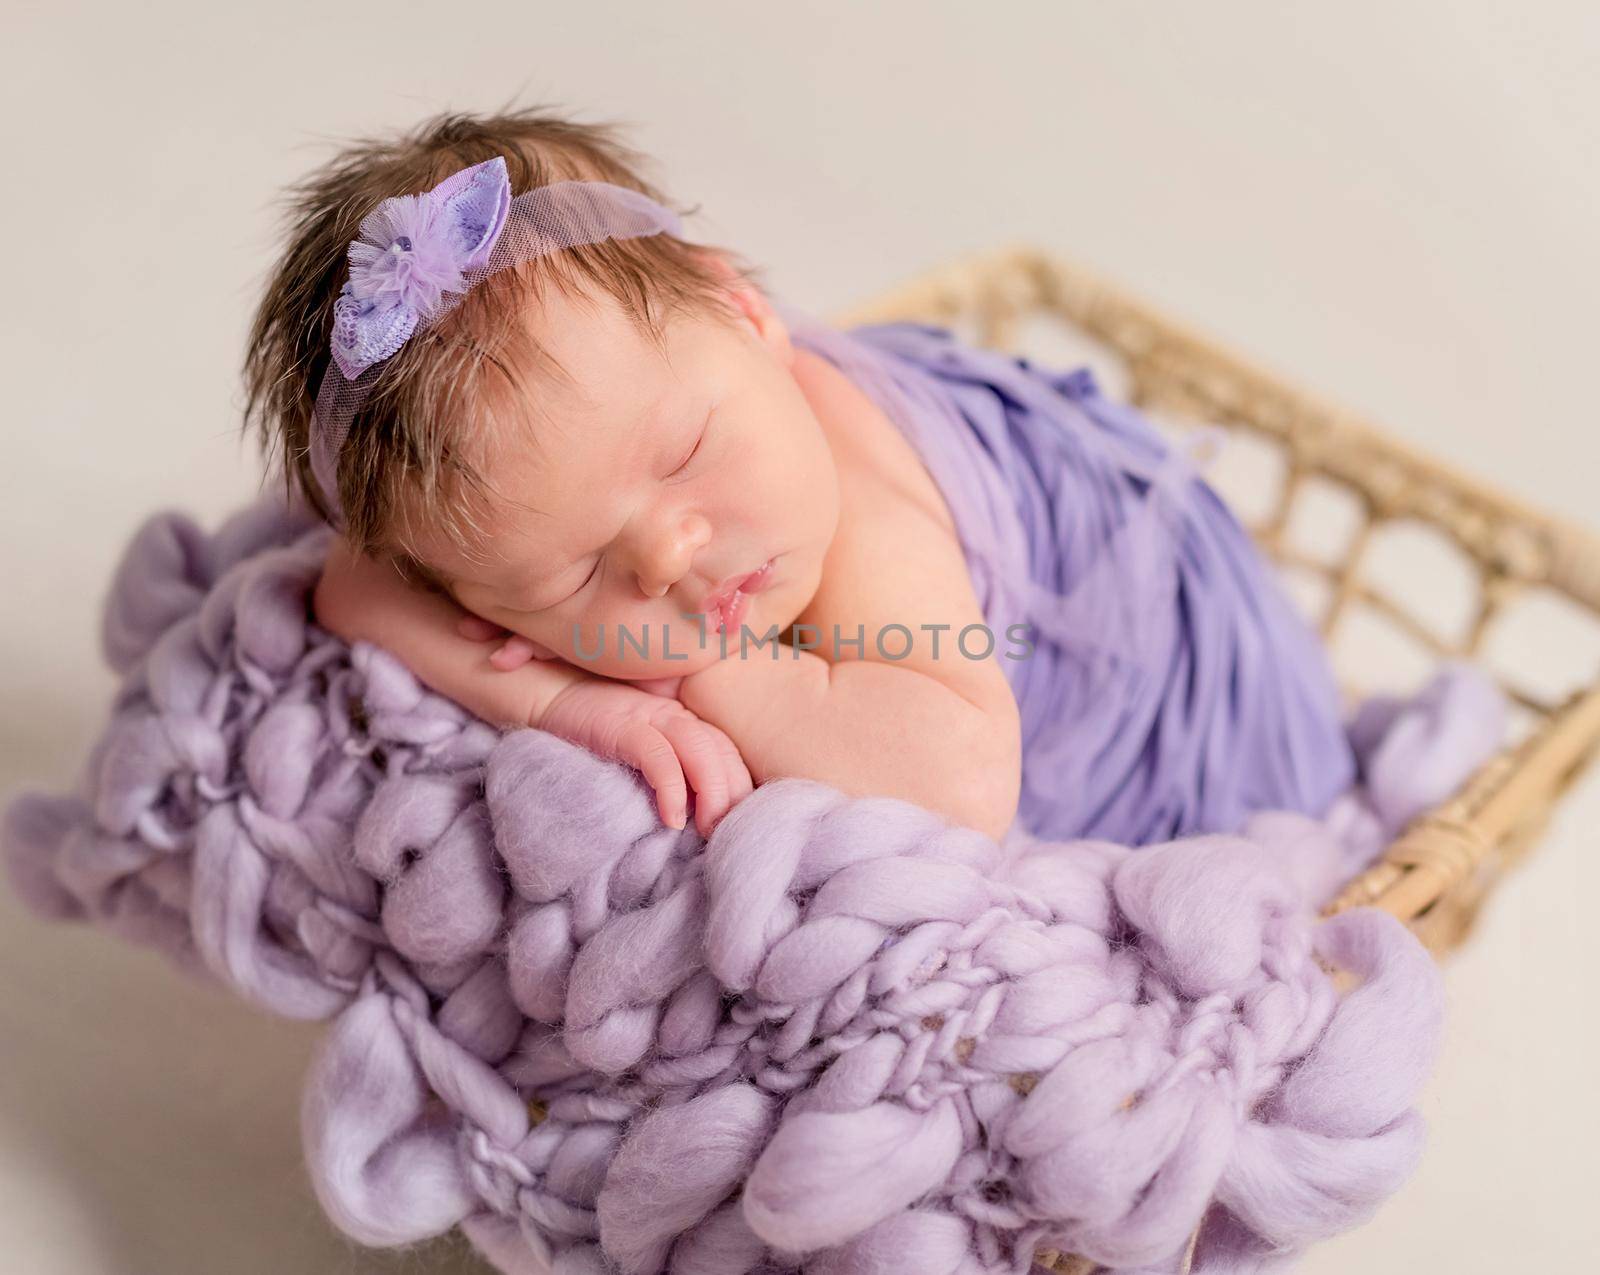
589,579
511,603
694,451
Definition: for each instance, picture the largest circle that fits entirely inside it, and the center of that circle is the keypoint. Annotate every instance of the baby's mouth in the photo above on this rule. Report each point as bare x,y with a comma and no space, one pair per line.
730,603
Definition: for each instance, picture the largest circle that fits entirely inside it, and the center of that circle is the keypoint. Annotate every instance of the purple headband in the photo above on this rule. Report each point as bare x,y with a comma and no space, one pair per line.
418,255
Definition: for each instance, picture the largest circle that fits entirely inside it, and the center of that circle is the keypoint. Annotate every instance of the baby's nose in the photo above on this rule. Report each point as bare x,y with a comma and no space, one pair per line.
672,556
654,585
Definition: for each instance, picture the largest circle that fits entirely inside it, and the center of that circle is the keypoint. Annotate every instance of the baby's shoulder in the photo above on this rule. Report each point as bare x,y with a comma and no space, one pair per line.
879,470
896,572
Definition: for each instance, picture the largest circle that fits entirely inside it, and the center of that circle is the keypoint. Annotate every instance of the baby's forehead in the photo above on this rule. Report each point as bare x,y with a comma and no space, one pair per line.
534,484
587,347
578,404
519,496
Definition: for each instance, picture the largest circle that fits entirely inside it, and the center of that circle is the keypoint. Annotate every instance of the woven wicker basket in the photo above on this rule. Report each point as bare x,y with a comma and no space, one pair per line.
1521,571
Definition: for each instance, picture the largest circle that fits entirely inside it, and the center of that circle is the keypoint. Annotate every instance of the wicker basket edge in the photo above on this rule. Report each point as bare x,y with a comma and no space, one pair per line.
1435,875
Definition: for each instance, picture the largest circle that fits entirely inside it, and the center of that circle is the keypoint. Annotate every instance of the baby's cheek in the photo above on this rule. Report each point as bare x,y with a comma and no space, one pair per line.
587,638
547,640
540,651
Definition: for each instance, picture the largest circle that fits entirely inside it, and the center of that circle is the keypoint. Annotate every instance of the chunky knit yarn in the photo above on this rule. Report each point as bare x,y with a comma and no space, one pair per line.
843,1036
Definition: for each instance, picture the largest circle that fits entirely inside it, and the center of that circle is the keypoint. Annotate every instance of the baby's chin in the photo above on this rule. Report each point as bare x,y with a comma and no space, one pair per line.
635,668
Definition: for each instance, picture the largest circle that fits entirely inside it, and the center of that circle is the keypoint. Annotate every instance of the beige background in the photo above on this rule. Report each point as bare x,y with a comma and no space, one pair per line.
1392,202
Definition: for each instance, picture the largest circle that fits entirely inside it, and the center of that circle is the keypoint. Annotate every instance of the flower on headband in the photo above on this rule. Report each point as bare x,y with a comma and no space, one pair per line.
412,250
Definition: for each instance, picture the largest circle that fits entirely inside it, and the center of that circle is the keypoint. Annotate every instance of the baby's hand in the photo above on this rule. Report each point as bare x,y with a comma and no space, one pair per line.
658,737
640,723
514,650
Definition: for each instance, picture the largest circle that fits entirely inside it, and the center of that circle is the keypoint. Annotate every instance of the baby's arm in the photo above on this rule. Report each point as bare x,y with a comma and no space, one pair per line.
938,729
360,598
867,728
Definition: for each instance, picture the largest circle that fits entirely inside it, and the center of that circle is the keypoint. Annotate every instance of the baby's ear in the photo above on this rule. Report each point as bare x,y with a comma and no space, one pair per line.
753,304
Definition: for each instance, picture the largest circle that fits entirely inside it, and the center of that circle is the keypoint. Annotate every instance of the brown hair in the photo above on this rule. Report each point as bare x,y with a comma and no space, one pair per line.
419,429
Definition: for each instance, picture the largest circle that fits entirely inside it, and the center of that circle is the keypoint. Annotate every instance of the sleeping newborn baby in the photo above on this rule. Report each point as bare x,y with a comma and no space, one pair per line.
664,503
591,478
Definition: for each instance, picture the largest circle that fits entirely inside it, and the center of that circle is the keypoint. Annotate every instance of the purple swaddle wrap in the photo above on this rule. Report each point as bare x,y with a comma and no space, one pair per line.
842,1036
1173,689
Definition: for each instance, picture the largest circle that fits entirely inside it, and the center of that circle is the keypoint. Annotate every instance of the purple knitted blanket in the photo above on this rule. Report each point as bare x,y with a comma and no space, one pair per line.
843,1036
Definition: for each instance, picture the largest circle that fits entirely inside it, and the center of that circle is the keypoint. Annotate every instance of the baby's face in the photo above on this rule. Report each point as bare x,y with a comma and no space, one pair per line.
645,487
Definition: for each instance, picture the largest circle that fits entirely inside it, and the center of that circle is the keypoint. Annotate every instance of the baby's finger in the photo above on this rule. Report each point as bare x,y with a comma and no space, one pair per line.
703,766
740,782
645,748
512,654
476,629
